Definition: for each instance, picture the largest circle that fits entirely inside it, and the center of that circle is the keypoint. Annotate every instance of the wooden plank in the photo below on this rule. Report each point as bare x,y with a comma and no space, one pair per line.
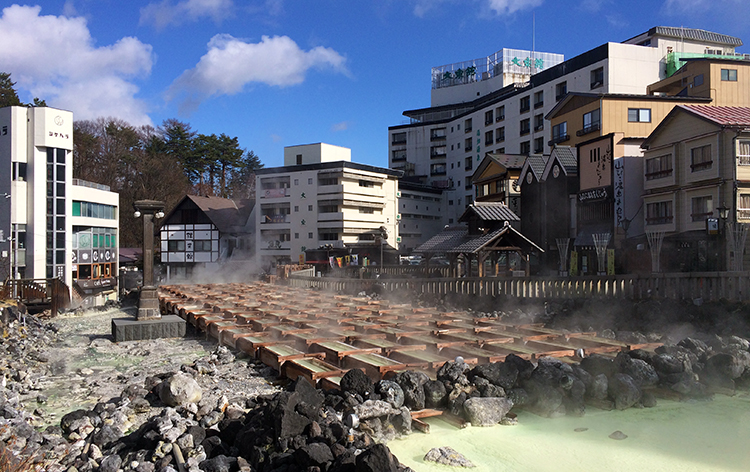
420,425
310,368
426,413
374,365
274,355
482,356
334,351
250,344
418,357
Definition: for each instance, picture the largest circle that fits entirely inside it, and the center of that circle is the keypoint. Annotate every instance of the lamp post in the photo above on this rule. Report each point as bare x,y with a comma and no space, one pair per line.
723,215
148,303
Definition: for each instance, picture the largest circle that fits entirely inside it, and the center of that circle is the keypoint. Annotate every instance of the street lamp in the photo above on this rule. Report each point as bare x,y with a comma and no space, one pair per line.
723,215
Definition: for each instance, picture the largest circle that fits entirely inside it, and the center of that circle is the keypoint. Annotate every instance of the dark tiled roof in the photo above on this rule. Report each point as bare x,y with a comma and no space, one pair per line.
567,157
724,116
444,240
509,161
537,164
491,211
478,242
696,34
229,216
508,234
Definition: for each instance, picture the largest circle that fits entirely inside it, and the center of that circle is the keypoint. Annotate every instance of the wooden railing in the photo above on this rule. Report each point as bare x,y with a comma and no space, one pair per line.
38,294
707,286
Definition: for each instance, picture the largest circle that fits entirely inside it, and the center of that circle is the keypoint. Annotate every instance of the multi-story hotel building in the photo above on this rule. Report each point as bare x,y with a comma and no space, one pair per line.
54,226
318,198
498,104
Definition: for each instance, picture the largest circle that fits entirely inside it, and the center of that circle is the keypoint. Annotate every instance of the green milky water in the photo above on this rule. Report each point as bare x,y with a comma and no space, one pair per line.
673,436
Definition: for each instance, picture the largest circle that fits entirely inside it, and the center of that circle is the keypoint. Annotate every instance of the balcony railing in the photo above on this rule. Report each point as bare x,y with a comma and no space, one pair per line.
267,219
658,174
659,220
539,127
701,166
559,139
588,129
701,216
539,104
499,118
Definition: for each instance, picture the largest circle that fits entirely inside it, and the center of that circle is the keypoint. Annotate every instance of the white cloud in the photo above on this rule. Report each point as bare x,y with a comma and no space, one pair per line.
697,7
341,126
166,12
54,58
232,63
502,7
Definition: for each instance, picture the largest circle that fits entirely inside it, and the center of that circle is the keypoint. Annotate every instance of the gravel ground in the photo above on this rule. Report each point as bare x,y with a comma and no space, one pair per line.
84,366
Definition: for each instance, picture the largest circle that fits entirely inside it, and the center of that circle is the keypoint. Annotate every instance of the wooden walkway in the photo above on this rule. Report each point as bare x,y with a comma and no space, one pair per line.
321,335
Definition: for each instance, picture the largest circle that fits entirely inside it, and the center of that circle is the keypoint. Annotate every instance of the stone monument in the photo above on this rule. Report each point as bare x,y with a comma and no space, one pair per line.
149,324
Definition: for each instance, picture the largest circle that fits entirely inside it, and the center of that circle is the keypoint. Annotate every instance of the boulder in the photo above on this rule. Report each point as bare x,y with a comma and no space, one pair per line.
356,381
522,366
376,459
623,391
728,364
486,411
179,389
596,364
641,372
446,455
313,454
435,393
502,374
453,373
390,392
411,383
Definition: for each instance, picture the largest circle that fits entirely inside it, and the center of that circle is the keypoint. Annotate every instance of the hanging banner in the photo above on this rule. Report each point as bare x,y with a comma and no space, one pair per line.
332,261
339,261
610,262
573,262
355,259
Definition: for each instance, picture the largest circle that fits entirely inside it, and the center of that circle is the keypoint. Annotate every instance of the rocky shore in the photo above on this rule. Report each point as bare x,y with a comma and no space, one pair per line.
187,405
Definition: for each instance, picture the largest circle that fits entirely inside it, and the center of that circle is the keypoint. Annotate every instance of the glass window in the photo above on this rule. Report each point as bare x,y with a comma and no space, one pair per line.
597,77
729,75
744,153
698,80
702,208
700,158
591,120
76,208
659,167
639,115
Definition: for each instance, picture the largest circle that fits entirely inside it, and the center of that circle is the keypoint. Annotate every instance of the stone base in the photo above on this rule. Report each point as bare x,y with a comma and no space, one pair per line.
129,329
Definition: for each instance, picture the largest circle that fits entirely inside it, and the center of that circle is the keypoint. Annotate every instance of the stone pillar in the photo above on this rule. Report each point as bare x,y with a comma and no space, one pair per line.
148,304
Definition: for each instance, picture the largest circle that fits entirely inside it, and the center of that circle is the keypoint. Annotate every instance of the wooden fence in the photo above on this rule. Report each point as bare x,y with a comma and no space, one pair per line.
708,286
38,294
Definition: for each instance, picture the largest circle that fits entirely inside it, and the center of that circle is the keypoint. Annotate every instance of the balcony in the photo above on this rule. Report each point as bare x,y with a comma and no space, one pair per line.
274,193
588,129
558,139
271,219
437,136
658,174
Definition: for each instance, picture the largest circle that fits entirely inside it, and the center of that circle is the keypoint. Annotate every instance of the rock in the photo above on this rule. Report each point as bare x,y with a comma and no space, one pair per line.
220,463
434,393
524,367
642,373
618,435
373,409
447,456
106,435
728,364
376,459
623,391
390,392
179,389
596,364
502,374
411,383
314,454
110,463
453,373
486,411
356,381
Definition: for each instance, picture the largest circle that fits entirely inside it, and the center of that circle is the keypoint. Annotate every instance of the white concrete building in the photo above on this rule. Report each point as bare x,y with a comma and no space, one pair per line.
485,113
53,226
320,197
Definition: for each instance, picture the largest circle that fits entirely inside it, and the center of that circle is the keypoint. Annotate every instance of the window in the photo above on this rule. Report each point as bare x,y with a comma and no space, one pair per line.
538,99
309,208
296,235
328,181
296,181
525,147
659,213
639,115
398,155
729,75
437,169
467,125
539,122
309,235
437,134
368,211
296,208
19,171
560,90
450,202
328,208
488,117
700,158
437,151
659,167
94,210
525,104
309,181
467,144
500,134
744,153
299,159
202,246
744,209
173,246
591,122
560,133
488,138
468,164
698,80
397,138
597,77
328,236
525,126
702,208
500,113
538,145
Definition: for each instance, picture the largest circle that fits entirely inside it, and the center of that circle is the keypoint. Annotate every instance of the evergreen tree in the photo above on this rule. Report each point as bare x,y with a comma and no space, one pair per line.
8,95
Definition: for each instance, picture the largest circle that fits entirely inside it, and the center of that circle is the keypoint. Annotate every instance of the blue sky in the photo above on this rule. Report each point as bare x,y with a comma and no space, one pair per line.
278,73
